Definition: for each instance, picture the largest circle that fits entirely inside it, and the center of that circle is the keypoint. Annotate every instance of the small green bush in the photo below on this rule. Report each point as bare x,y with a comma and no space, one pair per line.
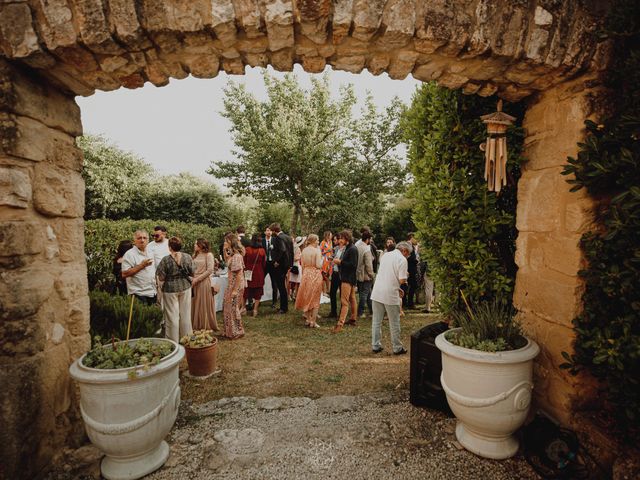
487,326
110,316
102,238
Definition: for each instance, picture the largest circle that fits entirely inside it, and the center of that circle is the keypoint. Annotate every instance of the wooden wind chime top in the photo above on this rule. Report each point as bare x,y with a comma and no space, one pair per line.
495,148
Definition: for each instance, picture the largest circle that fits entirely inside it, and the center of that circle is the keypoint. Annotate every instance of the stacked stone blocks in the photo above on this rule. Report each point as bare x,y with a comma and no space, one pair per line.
550,221
483,47
44,308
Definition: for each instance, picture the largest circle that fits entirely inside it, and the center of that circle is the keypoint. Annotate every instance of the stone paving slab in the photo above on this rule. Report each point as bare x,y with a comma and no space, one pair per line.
374,436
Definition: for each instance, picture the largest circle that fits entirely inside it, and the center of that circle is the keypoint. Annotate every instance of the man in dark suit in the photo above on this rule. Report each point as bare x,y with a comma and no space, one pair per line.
267,244
282,255
347,266
408,301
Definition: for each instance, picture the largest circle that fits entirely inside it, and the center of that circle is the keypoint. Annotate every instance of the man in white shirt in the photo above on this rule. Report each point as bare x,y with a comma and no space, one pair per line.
387,296
139,270
159,248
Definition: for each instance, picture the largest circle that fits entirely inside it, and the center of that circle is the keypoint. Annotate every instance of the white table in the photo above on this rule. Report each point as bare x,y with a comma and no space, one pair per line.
223,280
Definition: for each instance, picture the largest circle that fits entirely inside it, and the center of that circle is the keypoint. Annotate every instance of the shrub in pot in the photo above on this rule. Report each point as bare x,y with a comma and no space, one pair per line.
202,350
487,372
129,398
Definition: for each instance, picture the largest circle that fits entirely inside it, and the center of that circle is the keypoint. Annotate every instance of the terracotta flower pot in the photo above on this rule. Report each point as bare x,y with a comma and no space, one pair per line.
202,361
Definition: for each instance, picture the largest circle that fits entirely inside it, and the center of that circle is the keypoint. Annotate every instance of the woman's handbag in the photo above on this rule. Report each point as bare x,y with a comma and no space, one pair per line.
248,274
295,270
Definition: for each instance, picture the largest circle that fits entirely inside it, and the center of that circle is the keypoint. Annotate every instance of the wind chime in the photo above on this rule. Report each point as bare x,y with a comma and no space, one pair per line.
495,148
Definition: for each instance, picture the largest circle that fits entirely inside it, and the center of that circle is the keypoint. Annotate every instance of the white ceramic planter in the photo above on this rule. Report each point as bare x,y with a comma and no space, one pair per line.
489,393
127,418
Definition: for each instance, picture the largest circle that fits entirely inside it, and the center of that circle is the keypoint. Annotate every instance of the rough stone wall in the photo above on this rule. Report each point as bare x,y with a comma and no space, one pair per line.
550,220
511,47
44,308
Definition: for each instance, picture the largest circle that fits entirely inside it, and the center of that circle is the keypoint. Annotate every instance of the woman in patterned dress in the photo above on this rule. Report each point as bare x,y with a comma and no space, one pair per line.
234,294
326,250
308,299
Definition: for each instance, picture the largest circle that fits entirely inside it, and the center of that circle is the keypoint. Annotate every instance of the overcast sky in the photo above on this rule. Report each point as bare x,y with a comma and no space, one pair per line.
179,128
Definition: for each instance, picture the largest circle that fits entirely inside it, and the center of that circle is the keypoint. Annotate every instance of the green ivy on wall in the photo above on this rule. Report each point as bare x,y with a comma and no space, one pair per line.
468,233
608,166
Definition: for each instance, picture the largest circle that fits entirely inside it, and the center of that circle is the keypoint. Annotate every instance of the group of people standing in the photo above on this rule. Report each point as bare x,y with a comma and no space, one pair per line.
160,272
302,270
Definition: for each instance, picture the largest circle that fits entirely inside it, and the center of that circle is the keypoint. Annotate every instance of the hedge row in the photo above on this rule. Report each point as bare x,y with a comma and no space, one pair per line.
110,317
103,236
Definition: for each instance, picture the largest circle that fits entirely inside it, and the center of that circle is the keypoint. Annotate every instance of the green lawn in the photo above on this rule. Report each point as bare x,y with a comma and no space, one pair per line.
278,356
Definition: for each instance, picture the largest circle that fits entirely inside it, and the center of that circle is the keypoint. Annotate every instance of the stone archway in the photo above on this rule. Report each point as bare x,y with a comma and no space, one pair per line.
55,49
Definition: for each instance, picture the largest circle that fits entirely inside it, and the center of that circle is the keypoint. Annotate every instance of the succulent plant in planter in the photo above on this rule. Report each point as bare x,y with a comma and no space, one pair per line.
143,352
487,375
202,348
198,339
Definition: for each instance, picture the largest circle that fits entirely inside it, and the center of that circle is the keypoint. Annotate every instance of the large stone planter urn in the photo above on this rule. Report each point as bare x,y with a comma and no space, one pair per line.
127,415
489,393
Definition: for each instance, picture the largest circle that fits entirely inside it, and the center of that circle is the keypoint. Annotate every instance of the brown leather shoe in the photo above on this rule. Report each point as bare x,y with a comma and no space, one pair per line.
351,322
336,329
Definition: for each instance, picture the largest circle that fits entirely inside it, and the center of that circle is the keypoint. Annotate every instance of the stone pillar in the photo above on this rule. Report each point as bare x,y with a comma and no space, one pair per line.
550,221
44,307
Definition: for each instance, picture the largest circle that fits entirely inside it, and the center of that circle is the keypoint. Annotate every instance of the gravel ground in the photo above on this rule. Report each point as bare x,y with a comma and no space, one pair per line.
372,436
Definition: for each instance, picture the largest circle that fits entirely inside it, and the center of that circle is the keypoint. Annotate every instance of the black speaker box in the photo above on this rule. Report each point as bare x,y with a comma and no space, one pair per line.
426,367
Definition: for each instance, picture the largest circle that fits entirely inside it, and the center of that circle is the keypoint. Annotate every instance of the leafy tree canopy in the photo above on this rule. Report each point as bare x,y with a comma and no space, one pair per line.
121,185
305,148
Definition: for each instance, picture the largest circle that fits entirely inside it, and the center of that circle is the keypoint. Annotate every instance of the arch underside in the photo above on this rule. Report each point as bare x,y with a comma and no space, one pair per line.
512,48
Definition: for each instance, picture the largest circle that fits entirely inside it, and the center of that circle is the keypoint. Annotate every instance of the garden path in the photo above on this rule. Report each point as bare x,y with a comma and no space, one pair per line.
366,436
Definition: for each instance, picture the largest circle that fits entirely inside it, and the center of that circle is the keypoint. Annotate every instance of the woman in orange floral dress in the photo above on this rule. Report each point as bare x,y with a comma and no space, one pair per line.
234,294
308,298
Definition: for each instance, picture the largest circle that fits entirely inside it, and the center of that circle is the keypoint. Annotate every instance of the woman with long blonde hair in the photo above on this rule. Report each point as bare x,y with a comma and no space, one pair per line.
234,294
310,291
203,305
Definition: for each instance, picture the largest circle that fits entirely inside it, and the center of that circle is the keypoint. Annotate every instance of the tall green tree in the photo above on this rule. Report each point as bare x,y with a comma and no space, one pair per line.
186,198
121,185
306,148
113,177
468,233
397,221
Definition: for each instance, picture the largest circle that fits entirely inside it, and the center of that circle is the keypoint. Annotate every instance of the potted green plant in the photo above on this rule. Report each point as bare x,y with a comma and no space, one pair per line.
129,398
202,351
487,376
